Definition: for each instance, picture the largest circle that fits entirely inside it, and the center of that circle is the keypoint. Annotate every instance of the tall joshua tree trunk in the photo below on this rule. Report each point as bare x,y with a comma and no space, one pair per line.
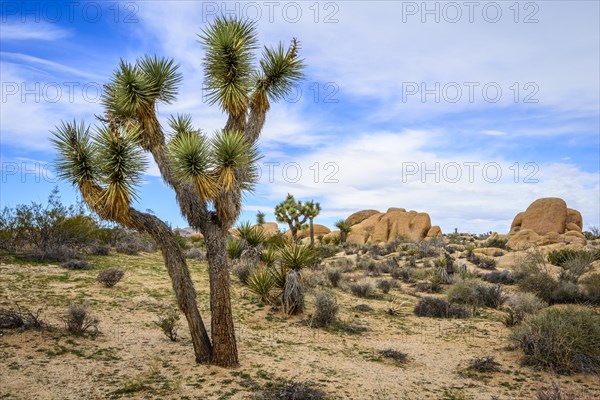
312,233
179,273
222,327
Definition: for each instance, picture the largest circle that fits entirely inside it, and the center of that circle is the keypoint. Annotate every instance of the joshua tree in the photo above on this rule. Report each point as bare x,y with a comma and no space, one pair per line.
292,212
260,217
344,228
208,175
311,210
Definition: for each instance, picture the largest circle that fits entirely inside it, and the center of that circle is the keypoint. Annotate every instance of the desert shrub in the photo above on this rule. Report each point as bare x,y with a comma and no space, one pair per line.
542,284
135,243
293,294
399,357
21,318
290,390
334,275
367,264
486,263
439,308
497,242
573,268
552,290
362,289
476,294
591,288
110,277
99,250
412,261
564,339
60,253
554,392
242,270
504,277
253,236
181,241
520,304
260,282
195,254
362,307
428,287
404,274
560,257
429,248
314,278
77,265
345,264
326,309
77,320
484,364
384,285
167,322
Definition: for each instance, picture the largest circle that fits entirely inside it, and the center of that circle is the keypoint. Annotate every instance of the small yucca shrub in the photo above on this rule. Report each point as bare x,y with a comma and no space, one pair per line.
296,256
260,282
235,247
167,323
326,309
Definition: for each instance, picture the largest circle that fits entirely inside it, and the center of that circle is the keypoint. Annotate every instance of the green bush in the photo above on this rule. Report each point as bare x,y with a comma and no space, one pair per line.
334,275
362,289
498,243
563,339
475,293
520,304
235,247
167,322
560,257
385,285
77,265
591,288
296,256
439,308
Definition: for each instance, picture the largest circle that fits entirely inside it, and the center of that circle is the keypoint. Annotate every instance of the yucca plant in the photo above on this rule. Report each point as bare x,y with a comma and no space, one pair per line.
254,236
296,256
260,282
235,247
268,257
208,175
279,274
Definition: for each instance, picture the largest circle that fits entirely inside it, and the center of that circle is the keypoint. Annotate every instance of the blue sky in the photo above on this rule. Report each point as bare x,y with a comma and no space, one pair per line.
469,114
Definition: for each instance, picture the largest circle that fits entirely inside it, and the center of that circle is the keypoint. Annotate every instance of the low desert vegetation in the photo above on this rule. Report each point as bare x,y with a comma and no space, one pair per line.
563,339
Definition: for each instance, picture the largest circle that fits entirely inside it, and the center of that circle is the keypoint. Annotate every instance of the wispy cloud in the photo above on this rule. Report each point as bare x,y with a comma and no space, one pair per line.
39,31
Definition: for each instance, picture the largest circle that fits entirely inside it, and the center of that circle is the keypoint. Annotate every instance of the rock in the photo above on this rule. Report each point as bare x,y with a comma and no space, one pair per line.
305,233
574,217
549,218
488,251
523,239
391,209
546,215
550,238
270,228
434,231
394,224
360,216
516,224
575,238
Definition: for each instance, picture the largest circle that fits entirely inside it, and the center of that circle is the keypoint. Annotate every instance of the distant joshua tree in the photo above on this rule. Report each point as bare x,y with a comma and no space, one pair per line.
295,214
260,217
345,228
207,174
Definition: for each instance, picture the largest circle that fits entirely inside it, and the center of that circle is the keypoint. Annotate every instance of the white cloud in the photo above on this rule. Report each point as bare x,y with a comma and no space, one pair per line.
37,31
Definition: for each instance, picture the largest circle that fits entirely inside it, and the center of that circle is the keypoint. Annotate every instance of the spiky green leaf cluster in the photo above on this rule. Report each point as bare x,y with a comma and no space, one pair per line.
120,161
218,165
235,247
75,162
135,88
230,46
254,236
296,256
280,70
